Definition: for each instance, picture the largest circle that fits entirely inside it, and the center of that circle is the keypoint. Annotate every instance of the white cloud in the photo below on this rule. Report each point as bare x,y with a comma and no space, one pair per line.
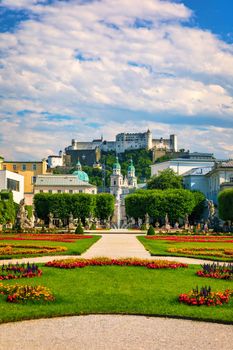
167,68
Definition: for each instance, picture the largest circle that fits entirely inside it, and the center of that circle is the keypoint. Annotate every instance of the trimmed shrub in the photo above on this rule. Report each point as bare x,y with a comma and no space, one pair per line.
93,226
143,227
79,229
151,231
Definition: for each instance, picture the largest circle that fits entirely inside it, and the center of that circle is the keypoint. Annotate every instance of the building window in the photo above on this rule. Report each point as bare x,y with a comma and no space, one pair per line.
70,191
50,191
33,166
24,167
58,191
33,179
80,191
231,179
14,167
13,185
93,191
41,191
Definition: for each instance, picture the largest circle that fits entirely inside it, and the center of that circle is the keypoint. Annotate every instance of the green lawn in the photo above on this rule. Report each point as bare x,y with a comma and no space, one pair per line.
160,248
74,248
119,290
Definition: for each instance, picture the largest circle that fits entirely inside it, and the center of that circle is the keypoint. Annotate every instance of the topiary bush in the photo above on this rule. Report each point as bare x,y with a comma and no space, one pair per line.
79,230
143,227
93,226
151,231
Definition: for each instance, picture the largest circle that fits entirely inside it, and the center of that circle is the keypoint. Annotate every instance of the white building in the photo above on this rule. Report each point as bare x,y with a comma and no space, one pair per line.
183,165
12,182
219,178
54,161
120,185
210,181
195,180
78,182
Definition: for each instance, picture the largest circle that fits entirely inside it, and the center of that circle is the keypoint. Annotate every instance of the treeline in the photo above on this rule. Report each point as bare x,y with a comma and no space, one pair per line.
81,205
176,203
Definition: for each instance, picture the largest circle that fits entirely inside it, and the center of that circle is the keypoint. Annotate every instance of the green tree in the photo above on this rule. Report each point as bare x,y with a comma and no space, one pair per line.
135,205
42,205
175,202
104,206
199,199
225,204
7,208
83,205
167,179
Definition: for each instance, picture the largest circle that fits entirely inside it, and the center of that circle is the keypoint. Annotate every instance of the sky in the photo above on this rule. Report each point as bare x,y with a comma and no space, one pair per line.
85,68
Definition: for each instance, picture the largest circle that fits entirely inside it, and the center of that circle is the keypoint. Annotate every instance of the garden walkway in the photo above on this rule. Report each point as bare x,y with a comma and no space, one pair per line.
112,245
115,332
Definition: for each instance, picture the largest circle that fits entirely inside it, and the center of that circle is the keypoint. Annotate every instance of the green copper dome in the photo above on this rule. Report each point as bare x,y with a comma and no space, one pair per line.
131,166
81,175
117,164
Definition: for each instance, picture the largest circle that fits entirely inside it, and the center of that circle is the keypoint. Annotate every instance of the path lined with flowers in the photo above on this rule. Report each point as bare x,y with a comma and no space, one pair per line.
112,245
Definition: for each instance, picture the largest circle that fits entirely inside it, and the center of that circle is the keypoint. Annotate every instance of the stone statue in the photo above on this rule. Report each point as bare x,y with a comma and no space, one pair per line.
147,221
23,221
176,226
186,222
167,224
157,224
211,209
206,229
50,216
71,222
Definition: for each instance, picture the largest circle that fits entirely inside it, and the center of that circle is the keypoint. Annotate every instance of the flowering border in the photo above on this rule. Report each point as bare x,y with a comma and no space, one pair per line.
216,271
205,297
22,293
196,239
69,238
7,249
216,252
10,271
150,264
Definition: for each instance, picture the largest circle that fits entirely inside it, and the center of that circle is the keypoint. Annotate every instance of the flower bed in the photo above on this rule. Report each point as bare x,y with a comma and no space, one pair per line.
10,249
217,252
205,296
150,264
46,237
23,293
216,271
8,272
196,239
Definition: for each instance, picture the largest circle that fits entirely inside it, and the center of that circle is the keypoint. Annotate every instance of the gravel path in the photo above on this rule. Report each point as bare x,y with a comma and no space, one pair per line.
117,246
115,332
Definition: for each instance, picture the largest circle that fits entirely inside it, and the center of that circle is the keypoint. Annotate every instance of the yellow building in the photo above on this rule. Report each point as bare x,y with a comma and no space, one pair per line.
1,161
29,169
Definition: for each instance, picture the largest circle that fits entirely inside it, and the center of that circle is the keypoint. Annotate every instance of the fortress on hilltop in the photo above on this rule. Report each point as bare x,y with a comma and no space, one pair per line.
89,152
128,141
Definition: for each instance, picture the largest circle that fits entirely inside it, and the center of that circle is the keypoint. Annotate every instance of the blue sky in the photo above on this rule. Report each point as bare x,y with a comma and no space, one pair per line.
79,69
215,15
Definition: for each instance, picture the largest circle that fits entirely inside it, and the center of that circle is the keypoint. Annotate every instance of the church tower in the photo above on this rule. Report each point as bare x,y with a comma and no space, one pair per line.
116,179
132,180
